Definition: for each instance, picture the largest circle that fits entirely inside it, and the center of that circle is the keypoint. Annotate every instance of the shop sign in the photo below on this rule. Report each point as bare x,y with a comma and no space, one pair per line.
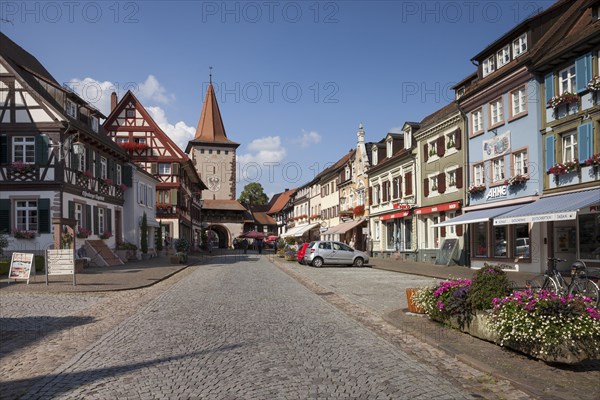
498,191
92,196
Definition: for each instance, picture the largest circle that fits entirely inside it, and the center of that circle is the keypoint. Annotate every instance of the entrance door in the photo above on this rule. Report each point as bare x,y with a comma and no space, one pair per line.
118,228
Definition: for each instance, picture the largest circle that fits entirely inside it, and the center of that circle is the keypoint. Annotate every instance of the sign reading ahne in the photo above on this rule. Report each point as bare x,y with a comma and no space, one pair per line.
498,191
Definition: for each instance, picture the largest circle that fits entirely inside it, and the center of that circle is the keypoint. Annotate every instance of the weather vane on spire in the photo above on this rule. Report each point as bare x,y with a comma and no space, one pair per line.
210,74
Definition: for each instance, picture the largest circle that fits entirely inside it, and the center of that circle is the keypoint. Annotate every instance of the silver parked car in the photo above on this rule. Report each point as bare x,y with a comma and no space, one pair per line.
325,252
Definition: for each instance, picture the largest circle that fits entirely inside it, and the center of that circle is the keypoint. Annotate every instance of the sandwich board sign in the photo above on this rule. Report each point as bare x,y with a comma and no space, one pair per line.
60,262
20,266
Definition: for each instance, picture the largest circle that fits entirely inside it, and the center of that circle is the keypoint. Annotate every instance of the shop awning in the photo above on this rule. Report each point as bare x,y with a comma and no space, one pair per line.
484,215
291,232
559,207
346,226
395,215
303,229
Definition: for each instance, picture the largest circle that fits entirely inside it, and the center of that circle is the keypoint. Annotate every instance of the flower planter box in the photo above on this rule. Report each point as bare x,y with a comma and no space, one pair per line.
479,328
412,307
290,257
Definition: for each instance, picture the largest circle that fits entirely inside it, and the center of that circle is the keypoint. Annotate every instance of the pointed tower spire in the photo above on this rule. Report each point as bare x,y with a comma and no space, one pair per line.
361,133
210,127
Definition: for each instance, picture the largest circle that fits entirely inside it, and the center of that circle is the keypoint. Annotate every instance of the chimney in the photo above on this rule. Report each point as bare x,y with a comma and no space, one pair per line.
113,101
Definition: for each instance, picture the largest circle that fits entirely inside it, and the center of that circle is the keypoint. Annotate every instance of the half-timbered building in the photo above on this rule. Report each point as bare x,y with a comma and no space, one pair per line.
178,191
55,161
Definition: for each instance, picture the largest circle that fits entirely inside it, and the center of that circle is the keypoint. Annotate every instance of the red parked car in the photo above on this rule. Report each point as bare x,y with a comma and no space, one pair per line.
300,254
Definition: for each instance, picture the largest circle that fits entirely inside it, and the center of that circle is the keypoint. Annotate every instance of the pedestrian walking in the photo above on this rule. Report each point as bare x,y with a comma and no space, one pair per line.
259,245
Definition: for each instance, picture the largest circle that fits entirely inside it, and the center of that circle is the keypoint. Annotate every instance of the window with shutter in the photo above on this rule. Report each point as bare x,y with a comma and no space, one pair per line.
459,178
41,149
583,72
549,87
4,148
550,151
426,187
88,217
585,141
441,147
408,183
426,152
441,182
44,215
4,215
458,139
95,220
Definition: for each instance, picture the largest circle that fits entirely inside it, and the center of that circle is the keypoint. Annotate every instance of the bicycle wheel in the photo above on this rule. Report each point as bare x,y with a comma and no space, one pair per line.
586,288
542,283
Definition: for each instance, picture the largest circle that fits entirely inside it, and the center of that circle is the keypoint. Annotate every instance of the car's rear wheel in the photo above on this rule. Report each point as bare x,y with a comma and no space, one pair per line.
317,262
359,262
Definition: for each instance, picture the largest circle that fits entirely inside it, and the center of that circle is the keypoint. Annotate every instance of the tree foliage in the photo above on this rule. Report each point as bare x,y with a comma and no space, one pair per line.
253,194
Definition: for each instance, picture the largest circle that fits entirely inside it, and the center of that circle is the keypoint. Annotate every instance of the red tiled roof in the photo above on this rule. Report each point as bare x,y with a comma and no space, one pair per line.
281,201
223,205
263,219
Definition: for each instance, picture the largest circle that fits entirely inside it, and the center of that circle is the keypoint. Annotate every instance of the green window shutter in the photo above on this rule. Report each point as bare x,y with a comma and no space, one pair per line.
109,168
549,86
71,210
88,217
44,215
41,149
95,220
174,197
109,219
128,175
98,166
585,141
4,149
550,151
583,72
88,160
4,215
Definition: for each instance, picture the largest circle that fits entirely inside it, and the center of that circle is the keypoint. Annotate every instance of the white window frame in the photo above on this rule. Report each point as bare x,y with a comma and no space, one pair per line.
520,163
450,138
26,144
569,146
566,79
79,214
94,123
450,229
101,220
71,109
503,56
477,120
518,100
498,170
479,174
103,168
496,112
451,178
407,139
389,148
432,149
164,168
488,66
119,175
122,140
27,211
520,45
433,184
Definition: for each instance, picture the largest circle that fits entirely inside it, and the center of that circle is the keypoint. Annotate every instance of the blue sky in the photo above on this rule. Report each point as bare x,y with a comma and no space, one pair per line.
293,79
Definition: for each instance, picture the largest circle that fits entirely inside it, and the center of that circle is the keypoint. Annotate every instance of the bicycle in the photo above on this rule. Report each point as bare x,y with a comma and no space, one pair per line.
580,284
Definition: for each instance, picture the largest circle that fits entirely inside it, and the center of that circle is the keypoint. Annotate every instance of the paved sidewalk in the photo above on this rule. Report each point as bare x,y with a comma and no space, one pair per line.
131,275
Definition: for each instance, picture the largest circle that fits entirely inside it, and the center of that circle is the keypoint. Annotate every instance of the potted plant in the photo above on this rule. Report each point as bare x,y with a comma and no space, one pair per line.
106,235
565,98
476,189
144,237
21,167
65,240
516,180
564,168
83,233
290,255
594,84
181,247
127,251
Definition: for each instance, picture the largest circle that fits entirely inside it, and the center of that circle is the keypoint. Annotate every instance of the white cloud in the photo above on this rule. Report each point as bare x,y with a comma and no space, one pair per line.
264,150
180,133
308,138
98,93
151,89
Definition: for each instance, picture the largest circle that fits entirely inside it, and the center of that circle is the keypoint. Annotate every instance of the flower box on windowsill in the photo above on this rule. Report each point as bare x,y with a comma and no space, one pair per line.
564,168
28,235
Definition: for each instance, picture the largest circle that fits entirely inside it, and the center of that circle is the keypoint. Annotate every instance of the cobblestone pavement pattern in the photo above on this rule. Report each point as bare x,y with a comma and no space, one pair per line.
247,331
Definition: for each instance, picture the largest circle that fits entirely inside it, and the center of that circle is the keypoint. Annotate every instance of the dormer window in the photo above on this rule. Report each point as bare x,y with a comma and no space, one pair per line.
347,173
503,56
520,45
460,92
488,66
407,140
389,148
94,123
71,109
375,156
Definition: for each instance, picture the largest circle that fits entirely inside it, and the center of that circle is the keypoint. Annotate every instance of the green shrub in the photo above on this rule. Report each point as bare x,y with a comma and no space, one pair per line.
126,246
158,238
290,240
488,283
40,263
4,267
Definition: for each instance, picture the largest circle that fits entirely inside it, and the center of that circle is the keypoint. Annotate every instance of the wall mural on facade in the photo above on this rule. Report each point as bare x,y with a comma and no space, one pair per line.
496,146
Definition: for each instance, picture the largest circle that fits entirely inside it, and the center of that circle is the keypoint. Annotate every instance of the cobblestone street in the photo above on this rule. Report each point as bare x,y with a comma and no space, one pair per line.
236,329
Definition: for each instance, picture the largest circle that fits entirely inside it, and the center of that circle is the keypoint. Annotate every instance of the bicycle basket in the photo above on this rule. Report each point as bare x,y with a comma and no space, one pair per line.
578,268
